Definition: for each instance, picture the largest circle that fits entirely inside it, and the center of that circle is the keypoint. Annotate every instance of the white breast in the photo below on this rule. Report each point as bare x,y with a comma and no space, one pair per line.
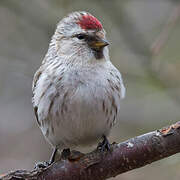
76,106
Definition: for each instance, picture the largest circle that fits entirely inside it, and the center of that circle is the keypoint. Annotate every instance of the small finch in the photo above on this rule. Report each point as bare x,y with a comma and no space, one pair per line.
77,90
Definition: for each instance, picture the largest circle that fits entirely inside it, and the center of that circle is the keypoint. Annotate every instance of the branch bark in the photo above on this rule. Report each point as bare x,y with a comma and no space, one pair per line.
131,154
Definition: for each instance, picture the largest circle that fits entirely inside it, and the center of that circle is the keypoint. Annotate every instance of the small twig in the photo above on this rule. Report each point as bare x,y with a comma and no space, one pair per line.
131,154
164,35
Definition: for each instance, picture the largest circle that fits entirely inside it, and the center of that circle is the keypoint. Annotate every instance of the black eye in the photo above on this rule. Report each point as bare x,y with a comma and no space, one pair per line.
81,36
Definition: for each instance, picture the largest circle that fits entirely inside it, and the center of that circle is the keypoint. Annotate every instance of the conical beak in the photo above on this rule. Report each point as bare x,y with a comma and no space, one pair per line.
99,43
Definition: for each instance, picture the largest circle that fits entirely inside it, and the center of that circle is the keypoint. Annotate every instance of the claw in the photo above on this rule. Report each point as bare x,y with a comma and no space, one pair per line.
104,145
41,165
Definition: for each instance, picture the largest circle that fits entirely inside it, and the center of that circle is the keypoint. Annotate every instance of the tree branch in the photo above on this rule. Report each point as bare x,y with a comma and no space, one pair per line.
131,154
161,40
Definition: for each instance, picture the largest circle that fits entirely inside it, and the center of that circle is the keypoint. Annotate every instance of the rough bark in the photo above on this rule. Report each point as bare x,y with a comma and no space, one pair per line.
131,154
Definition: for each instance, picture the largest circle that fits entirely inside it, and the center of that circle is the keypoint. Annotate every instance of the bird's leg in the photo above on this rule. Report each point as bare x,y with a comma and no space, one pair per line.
104,145
46,164
53,156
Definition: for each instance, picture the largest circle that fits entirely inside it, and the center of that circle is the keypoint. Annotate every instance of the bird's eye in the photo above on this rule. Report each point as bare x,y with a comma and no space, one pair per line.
81,36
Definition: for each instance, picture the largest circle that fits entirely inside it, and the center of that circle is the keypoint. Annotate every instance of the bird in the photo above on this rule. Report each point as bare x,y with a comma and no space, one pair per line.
77,90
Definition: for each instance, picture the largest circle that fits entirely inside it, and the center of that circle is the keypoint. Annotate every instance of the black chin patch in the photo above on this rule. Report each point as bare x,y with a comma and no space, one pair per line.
98,53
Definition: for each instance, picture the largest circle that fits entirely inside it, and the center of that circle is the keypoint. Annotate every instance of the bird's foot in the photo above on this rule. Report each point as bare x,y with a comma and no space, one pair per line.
104,145
41,165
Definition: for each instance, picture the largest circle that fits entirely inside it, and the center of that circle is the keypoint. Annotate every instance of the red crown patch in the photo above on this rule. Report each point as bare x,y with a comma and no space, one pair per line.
89,22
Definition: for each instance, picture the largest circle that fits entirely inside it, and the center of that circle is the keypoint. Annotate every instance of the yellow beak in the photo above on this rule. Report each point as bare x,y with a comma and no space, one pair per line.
99,43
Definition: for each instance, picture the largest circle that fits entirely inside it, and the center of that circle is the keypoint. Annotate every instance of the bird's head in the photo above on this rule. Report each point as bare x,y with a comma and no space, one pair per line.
81,36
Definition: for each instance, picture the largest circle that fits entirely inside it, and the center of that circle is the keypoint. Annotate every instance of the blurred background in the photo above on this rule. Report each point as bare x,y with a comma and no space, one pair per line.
145,47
